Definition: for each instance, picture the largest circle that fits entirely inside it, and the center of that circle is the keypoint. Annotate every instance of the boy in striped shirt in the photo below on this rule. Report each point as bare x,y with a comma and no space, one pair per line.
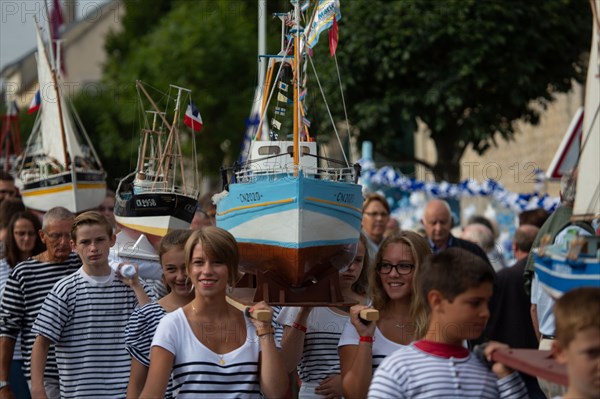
454,288
84,316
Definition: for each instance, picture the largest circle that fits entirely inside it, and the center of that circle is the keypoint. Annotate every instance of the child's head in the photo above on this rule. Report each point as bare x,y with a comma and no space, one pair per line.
175,239
91,237
356,273
90,218
577,341
459,279
405,249
172,259
217,244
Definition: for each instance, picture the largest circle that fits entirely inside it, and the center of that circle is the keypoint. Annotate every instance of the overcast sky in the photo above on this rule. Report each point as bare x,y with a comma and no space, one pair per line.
17,32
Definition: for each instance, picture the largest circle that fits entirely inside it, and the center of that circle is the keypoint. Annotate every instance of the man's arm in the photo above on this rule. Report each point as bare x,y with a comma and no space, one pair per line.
535,321
39,355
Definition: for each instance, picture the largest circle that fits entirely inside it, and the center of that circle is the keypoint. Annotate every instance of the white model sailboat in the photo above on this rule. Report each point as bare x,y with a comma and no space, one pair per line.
562,268
296,218
59,166
157,196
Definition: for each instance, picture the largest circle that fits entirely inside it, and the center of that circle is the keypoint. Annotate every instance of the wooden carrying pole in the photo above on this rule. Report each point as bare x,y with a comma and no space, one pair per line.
260,314
369,314
539,363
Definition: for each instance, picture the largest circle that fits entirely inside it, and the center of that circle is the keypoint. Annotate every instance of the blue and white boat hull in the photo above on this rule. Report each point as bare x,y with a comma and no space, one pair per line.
293,228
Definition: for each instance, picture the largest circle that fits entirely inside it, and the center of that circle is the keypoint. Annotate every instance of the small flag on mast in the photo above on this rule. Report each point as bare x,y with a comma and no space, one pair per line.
327,11
13,110
36,103
192,117
282,98
333,37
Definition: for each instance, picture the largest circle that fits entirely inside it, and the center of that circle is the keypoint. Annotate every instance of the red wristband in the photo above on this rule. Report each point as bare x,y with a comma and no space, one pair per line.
299,327
366,339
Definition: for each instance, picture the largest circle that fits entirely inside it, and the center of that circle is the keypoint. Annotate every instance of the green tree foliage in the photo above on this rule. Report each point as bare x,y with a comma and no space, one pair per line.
467,68
209,47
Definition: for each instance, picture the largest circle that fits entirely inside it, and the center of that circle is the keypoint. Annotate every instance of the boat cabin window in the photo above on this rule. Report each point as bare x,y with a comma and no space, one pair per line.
303,150
269,150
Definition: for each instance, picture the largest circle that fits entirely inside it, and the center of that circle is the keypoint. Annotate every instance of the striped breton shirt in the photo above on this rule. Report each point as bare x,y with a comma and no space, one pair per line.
26,289
415,372
4,273
139,333
320,357
199,372
382,346
278,327
85,317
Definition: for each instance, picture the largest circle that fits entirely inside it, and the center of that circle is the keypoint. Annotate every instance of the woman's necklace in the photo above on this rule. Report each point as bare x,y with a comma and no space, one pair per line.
221,357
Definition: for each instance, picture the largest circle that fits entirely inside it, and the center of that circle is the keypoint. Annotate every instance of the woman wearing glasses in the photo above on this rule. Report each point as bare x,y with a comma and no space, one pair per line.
375,217
363,347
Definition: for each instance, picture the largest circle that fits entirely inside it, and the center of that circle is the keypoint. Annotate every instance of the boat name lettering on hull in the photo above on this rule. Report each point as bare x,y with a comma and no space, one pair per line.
250,197
145,202
344,197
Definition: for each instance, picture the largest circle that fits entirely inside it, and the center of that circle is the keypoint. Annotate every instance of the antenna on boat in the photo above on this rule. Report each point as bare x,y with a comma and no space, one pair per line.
262,46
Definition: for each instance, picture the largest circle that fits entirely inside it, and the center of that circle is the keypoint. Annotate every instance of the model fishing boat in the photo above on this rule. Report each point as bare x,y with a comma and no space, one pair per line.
295,217
577,263
158,196
59,166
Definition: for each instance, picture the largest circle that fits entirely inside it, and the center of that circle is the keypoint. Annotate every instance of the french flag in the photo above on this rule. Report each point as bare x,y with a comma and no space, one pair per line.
13,110
192,117
36,103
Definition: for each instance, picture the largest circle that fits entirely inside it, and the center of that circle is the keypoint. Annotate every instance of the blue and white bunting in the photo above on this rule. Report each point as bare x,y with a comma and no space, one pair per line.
387,176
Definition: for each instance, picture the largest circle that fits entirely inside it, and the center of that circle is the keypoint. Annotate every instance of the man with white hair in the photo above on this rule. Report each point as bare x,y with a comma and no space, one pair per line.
437,220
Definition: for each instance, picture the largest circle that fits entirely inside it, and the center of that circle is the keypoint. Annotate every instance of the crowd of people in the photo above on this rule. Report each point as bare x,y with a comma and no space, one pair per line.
73,326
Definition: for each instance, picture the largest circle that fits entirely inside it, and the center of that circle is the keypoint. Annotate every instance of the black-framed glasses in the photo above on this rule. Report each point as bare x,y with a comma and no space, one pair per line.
401,268
375,214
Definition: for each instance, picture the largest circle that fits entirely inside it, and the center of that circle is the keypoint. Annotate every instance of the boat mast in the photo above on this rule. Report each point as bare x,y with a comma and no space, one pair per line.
144,149
176,131
296,84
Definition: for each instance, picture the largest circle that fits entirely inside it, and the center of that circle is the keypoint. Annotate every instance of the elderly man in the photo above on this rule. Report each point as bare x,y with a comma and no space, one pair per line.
27,287
437,220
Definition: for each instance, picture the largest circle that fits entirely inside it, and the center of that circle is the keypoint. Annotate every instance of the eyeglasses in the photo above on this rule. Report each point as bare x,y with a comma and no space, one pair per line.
57,236
401,268
377,214
25,233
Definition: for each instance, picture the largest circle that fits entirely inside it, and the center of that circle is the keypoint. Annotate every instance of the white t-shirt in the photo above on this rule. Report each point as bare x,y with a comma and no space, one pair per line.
382,346
198,372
